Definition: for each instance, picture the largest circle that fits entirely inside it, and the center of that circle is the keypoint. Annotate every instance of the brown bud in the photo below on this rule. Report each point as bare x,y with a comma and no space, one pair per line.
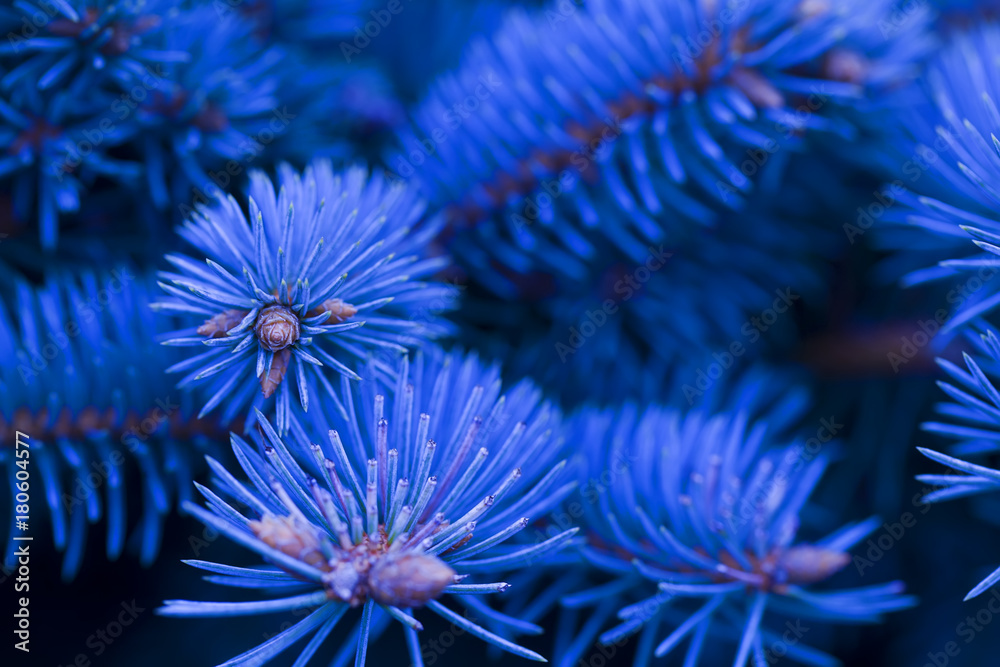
277,327
848,66
218,325
271,380
337,310
408,580
812,8
758,89
290,537
808,564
